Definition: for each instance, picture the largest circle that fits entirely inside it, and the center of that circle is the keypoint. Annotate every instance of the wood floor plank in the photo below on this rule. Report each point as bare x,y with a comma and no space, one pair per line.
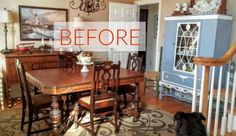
168,104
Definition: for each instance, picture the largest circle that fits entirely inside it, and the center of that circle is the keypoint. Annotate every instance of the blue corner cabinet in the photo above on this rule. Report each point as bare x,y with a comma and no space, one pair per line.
187,37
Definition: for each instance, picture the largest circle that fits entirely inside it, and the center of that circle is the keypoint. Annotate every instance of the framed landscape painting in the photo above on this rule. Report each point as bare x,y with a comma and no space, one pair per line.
38,22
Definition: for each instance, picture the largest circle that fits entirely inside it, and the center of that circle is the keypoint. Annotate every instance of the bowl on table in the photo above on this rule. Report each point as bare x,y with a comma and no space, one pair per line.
85,60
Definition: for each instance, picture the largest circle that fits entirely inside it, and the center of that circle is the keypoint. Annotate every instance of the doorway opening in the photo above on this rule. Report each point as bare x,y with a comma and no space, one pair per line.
149,15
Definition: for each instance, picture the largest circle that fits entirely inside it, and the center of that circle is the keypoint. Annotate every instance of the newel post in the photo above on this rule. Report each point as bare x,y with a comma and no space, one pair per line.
205,91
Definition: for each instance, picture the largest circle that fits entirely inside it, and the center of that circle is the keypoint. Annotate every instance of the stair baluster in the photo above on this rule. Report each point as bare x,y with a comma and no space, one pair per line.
210,68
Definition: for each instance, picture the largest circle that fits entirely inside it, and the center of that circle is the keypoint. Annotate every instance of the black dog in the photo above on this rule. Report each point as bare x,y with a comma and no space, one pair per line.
189,124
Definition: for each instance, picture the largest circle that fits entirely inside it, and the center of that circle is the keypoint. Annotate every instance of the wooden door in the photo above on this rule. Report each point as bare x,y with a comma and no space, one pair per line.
119,12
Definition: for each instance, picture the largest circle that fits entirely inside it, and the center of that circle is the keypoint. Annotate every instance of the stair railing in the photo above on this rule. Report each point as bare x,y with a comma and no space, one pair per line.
206,98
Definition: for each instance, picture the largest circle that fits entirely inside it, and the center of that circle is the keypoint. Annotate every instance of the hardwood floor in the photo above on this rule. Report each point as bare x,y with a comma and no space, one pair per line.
168,104
172,105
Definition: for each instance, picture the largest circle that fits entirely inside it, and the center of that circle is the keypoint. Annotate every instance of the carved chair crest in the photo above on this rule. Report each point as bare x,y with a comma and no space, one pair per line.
105,79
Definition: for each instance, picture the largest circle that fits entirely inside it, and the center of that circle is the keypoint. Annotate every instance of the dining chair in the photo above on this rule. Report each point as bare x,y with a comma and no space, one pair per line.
67,59
152,78
134,63
31,103
151,81
103,99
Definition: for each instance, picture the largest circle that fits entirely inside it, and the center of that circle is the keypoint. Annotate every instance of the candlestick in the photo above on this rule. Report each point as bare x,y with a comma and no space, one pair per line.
42,42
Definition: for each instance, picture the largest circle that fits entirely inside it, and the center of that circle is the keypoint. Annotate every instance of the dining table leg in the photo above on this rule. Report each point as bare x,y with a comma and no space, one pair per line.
136,103
55,116
134,110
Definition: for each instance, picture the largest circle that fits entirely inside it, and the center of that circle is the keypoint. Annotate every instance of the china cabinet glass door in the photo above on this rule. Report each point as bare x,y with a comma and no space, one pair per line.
187,40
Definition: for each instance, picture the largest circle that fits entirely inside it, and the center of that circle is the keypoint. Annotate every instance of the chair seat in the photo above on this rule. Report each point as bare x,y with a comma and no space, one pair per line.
41,101
85,101
126,88
153,75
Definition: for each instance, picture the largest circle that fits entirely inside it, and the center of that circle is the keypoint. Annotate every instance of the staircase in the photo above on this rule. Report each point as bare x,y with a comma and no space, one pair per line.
217,103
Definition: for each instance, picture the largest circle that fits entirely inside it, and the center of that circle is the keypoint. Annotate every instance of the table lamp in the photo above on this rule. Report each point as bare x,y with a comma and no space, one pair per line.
5,17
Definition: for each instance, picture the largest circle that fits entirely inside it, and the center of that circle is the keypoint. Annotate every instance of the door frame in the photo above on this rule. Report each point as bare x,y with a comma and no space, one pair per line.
158,47
146,2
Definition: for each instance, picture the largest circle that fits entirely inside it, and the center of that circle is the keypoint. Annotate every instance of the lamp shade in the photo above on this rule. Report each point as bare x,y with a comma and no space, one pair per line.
78,21
5,16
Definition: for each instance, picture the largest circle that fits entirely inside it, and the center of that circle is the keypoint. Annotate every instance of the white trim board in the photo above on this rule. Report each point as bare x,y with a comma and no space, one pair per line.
196,17
234,123
146,2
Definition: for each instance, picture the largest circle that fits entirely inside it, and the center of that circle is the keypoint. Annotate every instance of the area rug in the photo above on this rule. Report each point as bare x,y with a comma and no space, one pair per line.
153,122
10,120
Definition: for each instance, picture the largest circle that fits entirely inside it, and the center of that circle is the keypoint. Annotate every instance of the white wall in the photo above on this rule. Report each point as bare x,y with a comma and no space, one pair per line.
14,35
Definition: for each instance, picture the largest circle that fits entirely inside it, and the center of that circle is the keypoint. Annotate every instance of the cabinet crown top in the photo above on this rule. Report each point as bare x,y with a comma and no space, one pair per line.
197,17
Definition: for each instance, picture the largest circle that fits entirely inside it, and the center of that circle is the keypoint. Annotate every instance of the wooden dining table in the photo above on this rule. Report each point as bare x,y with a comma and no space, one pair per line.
60,81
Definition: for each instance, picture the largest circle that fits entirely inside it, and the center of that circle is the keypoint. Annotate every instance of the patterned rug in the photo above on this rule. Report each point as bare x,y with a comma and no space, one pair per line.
10,120
153,122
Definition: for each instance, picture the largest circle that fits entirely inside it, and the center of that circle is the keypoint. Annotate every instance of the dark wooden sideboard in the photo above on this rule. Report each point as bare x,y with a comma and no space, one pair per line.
10,78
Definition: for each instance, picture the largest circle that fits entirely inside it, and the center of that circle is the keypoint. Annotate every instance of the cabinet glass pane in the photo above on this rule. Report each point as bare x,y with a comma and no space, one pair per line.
186,46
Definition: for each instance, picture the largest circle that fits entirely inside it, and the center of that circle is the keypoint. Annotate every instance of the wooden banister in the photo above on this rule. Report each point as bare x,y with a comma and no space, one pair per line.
216,61
207,63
